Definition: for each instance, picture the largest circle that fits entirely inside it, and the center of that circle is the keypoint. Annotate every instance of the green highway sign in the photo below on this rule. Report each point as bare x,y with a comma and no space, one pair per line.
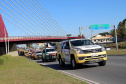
102,26
94,27
105,26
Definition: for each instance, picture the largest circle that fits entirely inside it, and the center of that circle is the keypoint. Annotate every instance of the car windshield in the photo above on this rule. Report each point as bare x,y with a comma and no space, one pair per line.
39,52
50,50
81,42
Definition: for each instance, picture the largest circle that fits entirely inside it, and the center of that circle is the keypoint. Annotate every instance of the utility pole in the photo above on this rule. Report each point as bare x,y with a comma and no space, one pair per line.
91,34
8,45
116,38
80,31
125,24
5,41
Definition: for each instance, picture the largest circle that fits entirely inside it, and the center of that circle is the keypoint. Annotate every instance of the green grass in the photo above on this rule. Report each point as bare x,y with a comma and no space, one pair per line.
117,52
3,59
121,45
20,70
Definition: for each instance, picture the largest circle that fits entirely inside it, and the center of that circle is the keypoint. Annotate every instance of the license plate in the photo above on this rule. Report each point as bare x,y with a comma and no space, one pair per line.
54,56
94,55
96,60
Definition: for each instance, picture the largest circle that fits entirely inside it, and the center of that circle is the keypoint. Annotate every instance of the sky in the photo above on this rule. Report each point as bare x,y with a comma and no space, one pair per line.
70,15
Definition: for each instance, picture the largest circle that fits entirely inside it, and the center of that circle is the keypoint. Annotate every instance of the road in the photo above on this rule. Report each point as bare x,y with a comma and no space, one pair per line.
113,73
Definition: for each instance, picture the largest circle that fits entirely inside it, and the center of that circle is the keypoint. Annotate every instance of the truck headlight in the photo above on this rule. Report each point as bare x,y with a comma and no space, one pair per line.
103,49
79,51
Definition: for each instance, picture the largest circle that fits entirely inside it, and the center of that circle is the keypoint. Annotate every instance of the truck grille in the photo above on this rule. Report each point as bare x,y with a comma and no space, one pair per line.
92,50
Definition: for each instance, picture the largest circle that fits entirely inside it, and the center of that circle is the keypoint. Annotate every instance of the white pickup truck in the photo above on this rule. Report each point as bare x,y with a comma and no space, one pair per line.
80,51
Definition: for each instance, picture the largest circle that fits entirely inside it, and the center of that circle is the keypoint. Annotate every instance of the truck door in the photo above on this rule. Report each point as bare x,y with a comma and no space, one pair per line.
43,54
66,51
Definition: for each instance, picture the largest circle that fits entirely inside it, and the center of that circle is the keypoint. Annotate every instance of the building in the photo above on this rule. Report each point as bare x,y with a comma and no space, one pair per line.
102,39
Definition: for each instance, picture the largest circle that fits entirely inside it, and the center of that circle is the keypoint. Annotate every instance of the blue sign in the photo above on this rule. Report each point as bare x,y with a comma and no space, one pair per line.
105,26
94,27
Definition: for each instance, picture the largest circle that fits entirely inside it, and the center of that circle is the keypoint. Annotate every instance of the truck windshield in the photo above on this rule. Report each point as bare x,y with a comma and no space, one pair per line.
39,52
81,42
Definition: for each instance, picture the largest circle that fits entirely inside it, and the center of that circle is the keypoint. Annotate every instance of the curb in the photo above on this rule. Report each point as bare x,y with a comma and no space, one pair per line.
75,76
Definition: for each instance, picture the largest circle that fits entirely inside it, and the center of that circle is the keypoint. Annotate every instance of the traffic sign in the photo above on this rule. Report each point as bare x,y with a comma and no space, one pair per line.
94,27
105,26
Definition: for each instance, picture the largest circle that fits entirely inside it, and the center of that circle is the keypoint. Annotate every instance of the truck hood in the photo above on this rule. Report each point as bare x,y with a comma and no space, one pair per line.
87,47
52,52
39,54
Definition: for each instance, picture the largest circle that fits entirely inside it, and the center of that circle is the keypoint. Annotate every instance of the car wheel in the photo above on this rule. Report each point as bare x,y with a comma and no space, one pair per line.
73,63
34,58
103,63
61,63
43,60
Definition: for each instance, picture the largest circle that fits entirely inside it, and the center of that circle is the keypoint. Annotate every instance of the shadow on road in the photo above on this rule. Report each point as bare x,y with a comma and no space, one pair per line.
55,65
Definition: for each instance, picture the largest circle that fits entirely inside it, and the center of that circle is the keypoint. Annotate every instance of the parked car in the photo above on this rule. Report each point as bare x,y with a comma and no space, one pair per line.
49,54
20,53
28,54
37,55
32,54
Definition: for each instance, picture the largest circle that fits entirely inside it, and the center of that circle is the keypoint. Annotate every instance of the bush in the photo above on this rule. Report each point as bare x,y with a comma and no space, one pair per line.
1,61
4,59
121,45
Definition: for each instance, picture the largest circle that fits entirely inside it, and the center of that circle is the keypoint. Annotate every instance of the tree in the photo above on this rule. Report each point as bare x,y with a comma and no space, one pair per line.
104,33
79,35
121,29
69,35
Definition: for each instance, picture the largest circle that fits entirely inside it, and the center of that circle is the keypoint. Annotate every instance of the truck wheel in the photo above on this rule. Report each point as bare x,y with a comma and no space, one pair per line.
61,63
103,63
43,60
73,63
34,58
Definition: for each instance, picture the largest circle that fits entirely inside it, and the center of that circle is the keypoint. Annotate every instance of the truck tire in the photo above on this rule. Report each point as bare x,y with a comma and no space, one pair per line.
103,63
34,58
61,63
73,63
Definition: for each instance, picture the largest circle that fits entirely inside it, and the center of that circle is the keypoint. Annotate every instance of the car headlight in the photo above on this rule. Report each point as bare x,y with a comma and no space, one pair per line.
47,54
103,49
79,51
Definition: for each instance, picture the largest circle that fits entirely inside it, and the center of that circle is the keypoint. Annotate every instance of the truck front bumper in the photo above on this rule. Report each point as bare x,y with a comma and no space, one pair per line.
91,58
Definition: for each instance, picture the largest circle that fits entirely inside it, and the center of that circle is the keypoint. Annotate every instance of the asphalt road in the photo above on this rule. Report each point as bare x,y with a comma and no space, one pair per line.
113,73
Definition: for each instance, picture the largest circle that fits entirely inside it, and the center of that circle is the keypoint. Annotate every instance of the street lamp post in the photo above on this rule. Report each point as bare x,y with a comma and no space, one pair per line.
5,41
116,38
8,45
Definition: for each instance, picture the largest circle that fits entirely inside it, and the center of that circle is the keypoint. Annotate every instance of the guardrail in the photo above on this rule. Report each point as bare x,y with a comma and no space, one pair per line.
33,37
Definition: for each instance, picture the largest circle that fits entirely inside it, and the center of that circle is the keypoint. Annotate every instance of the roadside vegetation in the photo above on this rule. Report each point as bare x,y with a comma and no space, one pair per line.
117,52
121,45
20,70
121,48
4,59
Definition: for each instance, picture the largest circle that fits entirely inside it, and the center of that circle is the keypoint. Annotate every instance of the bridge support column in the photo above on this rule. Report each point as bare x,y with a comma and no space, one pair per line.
29,45
12,49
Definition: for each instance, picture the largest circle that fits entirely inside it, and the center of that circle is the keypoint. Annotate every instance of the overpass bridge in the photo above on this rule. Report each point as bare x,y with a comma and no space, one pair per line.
31,20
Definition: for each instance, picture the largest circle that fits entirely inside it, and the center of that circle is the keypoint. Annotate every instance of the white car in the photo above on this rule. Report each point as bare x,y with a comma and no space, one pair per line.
49,54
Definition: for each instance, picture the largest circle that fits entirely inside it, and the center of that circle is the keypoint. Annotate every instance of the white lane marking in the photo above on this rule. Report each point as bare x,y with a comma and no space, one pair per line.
74,76
77,77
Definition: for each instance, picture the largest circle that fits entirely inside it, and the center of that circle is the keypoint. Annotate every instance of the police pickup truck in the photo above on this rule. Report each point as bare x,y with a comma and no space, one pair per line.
80,51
